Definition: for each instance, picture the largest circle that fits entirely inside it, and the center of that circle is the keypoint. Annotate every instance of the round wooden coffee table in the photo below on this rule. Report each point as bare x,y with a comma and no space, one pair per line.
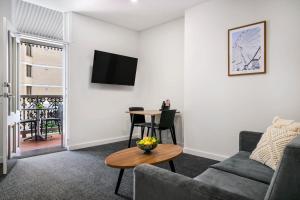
132,157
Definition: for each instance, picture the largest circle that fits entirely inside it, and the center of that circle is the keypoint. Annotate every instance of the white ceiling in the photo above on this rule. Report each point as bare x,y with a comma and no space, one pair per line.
137,16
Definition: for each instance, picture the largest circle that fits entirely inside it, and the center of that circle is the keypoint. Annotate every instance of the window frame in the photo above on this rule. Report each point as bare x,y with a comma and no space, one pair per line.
28,90
29,71
28,50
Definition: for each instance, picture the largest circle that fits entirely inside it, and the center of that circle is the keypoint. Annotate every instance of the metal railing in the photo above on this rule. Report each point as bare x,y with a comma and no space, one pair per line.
48,105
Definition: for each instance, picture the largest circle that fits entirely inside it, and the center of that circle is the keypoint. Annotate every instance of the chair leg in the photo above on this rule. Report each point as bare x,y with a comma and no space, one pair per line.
130,135
24,129
148,129
58,125
41,127
174,133
31,129
160,139
35,131
142,132
172,129
46,130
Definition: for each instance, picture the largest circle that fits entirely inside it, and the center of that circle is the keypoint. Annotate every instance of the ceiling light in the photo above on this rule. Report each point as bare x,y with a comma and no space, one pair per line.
134,1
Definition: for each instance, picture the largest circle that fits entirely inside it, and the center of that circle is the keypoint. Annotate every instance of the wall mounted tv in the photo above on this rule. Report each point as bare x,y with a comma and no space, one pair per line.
109,68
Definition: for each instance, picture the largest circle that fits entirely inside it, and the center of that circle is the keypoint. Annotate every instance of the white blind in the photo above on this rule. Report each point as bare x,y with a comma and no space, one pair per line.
39,21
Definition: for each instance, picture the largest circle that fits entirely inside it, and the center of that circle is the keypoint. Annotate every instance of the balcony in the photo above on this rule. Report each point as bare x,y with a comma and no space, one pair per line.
35,109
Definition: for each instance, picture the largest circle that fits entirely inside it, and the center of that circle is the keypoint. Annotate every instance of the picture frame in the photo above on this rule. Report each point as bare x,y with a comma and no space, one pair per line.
247,49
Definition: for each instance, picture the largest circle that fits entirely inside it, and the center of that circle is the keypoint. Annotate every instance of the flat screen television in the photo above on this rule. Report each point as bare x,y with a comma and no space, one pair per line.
109,68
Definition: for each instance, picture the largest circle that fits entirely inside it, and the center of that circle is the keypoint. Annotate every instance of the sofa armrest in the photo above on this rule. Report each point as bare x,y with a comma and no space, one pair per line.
249,140
285,183
151,182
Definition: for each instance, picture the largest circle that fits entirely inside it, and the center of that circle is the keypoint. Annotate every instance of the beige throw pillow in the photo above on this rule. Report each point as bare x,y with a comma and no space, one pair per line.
270,148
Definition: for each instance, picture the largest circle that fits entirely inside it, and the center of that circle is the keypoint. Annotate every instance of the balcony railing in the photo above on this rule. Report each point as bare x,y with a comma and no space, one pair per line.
48,104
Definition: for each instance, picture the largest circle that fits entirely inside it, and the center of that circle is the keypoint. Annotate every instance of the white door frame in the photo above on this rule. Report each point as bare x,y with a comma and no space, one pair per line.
65,47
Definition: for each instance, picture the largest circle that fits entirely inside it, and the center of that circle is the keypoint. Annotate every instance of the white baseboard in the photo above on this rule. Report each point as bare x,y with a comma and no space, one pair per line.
98,142
204,154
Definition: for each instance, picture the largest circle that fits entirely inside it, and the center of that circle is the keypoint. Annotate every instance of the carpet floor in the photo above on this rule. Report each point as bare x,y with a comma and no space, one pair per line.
79,175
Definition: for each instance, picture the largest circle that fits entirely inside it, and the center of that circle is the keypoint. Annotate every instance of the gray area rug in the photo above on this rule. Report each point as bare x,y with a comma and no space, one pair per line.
80,174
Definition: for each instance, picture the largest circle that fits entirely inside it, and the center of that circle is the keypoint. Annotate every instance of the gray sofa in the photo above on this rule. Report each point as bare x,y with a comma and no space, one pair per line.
236,178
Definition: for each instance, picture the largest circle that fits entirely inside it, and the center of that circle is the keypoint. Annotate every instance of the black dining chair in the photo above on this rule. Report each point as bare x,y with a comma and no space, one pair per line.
138,121
166,123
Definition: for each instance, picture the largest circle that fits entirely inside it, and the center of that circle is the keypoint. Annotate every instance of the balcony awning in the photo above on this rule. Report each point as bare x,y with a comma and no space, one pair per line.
41,44
38,21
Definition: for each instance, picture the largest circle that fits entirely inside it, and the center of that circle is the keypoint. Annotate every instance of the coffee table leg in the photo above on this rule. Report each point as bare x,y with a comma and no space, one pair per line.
119,180
172,166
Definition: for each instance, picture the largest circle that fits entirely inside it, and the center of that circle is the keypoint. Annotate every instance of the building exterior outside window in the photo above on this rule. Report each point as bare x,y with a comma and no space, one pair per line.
41,68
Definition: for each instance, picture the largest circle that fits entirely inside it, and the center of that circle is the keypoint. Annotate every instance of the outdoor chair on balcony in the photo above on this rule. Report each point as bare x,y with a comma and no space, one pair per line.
32,125
57,120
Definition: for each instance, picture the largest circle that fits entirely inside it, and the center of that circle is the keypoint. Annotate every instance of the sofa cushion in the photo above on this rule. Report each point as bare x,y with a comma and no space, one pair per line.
247,188
270,148
241,165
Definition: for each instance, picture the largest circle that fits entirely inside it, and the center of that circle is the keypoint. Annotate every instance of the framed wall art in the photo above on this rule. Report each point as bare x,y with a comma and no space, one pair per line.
247,49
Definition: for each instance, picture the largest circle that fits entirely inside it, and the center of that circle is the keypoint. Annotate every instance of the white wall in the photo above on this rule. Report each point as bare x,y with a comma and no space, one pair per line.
161,51
97,112
216,106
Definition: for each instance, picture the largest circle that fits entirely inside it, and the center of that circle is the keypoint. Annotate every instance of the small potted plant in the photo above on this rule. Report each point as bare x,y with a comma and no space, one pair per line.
39,106
147,144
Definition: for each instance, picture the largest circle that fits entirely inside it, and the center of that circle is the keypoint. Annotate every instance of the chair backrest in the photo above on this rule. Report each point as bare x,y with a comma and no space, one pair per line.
285,182
167,119
137,118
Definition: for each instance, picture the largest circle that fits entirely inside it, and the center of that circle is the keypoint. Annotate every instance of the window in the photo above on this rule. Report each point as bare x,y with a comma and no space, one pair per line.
28,90
28,50
28,71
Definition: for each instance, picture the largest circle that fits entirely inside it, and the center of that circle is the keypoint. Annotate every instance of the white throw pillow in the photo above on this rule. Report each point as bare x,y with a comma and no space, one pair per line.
270,148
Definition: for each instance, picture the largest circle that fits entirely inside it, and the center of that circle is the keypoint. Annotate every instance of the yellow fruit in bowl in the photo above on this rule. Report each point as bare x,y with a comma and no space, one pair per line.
147,144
